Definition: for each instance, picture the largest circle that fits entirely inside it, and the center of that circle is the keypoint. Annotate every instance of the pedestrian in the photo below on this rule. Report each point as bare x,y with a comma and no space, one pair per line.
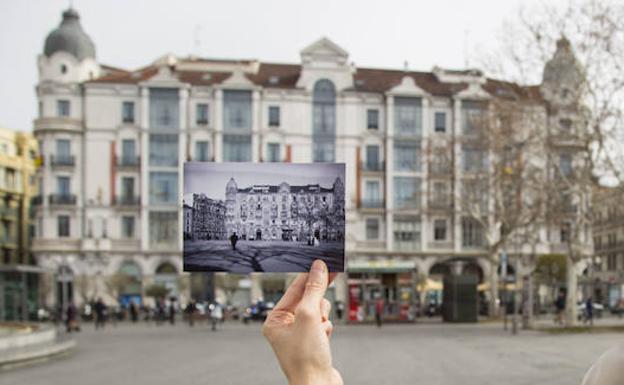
216,315
134,312
160,311
379,310
560,304
339,309
190,310
100,314
233,240
172,311
71,321
589,311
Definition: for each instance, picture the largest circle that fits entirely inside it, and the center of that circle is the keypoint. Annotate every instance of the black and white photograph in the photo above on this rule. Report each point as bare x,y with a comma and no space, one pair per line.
263,217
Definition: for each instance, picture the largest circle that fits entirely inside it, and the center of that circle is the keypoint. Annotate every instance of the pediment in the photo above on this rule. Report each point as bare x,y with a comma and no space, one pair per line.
238,79
407,87
474,91
324,47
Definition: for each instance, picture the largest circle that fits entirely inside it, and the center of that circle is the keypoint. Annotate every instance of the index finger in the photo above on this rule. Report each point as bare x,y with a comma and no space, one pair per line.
293,294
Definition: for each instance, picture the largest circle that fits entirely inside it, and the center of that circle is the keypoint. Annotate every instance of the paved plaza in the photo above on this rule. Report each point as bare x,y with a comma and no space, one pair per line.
249,256
397,354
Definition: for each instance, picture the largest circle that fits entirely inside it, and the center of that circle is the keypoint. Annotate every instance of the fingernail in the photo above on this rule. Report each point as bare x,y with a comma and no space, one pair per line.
318,266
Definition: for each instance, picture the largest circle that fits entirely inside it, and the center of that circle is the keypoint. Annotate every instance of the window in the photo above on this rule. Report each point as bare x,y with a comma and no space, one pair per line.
127,227
163,187
63,150
471,116
440,196
236,148
439,229
372,158
406,192
472,233
565,164
236,110
372,119
474,159
62,108
62,225
440,163
324,121
372,228
564,233
62,185
273,152
565,124
40,110
274,116
201,151
163,150
407,233
440,122
372,195
475,194
127,189
407,156
127,113
163,228
407,117
164,108
128,151
201,114
612,262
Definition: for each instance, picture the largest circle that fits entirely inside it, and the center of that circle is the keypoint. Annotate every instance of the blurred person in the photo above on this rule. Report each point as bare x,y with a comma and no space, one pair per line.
379,310
560,303
100,314
172,311
190,310
589,311
216,315
71,321
299,330
339,309
134,312
160,311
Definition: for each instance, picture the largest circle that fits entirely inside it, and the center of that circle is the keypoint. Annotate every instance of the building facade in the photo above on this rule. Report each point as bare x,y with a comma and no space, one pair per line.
208,218
115,141
285,212
18,185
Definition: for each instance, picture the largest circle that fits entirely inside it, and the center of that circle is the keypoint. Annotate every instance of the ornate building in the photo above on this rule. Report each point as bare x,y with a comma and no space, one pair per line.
285,212
208,218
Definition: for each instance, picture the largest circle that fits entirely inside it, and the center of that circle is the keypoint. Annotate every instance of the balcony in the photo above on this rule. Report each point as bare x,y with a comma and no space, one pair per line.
373,166
62,199
8,212
440,204
57,123
128,161
440,245
372,204
37,200
127,200
62,161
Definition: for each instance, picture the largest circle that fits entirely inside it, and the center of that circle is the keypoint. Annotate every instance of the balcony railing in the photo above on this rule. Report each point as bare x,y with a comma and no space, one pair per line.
37,200
128,161
372,203
127,200
439,204
63,160
62,199
373,166
8,212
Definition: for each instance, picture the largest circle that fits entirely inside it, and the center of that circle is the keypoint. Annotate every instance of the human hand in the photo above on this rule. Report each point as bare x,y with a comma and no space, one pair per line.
298,329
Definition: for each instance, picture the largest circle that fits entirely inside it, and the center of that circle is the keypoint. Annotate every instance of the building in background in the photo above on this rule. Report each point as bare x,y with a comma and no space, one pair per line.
208,218
19,274
604,278
114,142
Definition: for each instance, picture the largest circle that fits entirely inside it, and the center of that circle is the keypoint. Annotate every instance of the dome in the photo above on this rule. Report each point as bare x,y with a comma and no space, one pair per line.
70,37
563,68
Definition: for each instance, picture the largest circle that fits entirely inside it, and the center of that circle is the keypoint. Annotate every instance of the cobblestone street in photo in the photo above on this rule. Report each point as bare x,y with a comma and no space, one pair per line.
237,354
252,256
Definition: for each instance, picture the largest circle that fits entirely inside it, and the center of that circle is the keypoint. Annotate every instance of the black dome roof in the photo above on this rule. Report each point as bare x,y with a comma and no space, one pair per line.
70,37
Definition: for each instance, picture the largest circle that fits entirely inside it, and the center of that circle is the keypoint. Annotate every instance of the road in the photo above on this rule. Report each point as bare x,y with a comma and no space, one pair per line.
269,256
397,354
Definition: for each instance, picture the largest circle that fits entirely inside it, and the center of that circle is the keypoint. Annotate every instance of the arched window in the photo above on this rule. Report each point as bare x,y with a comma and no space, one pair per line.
131,286
166,268
324,121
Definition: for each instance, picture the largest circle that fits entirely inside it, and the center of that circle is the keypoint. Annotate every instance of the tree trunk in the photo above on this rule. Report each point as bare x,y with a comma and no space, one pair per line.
493,308
572,286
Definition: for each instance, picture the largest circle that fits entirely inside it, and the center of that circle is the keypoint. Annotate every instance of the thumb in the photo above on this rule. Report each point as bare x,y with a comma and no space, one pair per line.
315,288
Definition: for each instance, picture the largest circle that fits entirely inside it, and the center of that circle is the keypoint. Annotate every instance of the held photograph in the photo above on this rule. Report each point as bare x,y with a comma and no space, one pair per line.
263,217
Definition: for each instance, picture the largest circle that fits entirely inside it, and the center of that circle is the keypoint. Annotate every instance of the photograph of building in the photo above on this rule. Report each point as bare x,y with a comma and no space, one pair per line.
279,219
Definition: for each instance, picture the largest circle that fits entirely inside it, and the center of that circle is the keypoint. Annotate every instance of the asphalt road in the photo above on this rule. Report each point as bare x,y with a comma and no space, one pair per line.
397,354
268,256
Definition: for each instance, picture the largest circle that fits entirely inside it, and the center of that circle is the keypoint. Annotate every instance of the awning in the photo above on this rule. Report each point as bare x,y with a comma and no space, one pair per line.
430,285
380,266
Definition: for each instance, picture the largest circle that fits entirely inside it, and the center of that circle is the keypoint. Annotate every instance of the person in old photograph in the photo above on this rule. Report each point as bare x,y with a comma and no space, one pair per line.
244,217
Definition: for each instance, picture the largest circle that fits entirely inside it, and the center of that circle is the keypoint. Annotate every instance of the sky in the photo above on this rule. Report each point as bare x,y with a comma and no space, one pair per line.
133,33
211,178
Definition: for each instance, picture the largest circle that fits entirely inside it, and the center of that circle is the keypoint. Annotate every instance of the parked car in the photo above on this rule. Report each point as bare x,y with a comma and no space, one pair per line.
257,311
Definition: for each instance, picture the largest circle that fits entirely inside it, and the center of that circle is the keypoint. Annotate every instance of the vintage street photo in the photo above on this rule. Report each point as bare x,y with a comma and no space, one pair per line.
263,217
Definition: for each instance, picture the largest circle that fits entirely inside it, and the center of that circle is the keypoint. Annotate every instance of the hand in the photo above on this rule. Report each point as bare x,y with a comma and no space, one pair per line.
298,329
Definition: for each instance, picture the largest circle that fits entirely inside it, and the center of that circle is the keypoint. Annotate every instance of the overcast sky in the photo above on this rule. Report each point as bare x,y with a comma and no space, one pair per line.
131,34
211,178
